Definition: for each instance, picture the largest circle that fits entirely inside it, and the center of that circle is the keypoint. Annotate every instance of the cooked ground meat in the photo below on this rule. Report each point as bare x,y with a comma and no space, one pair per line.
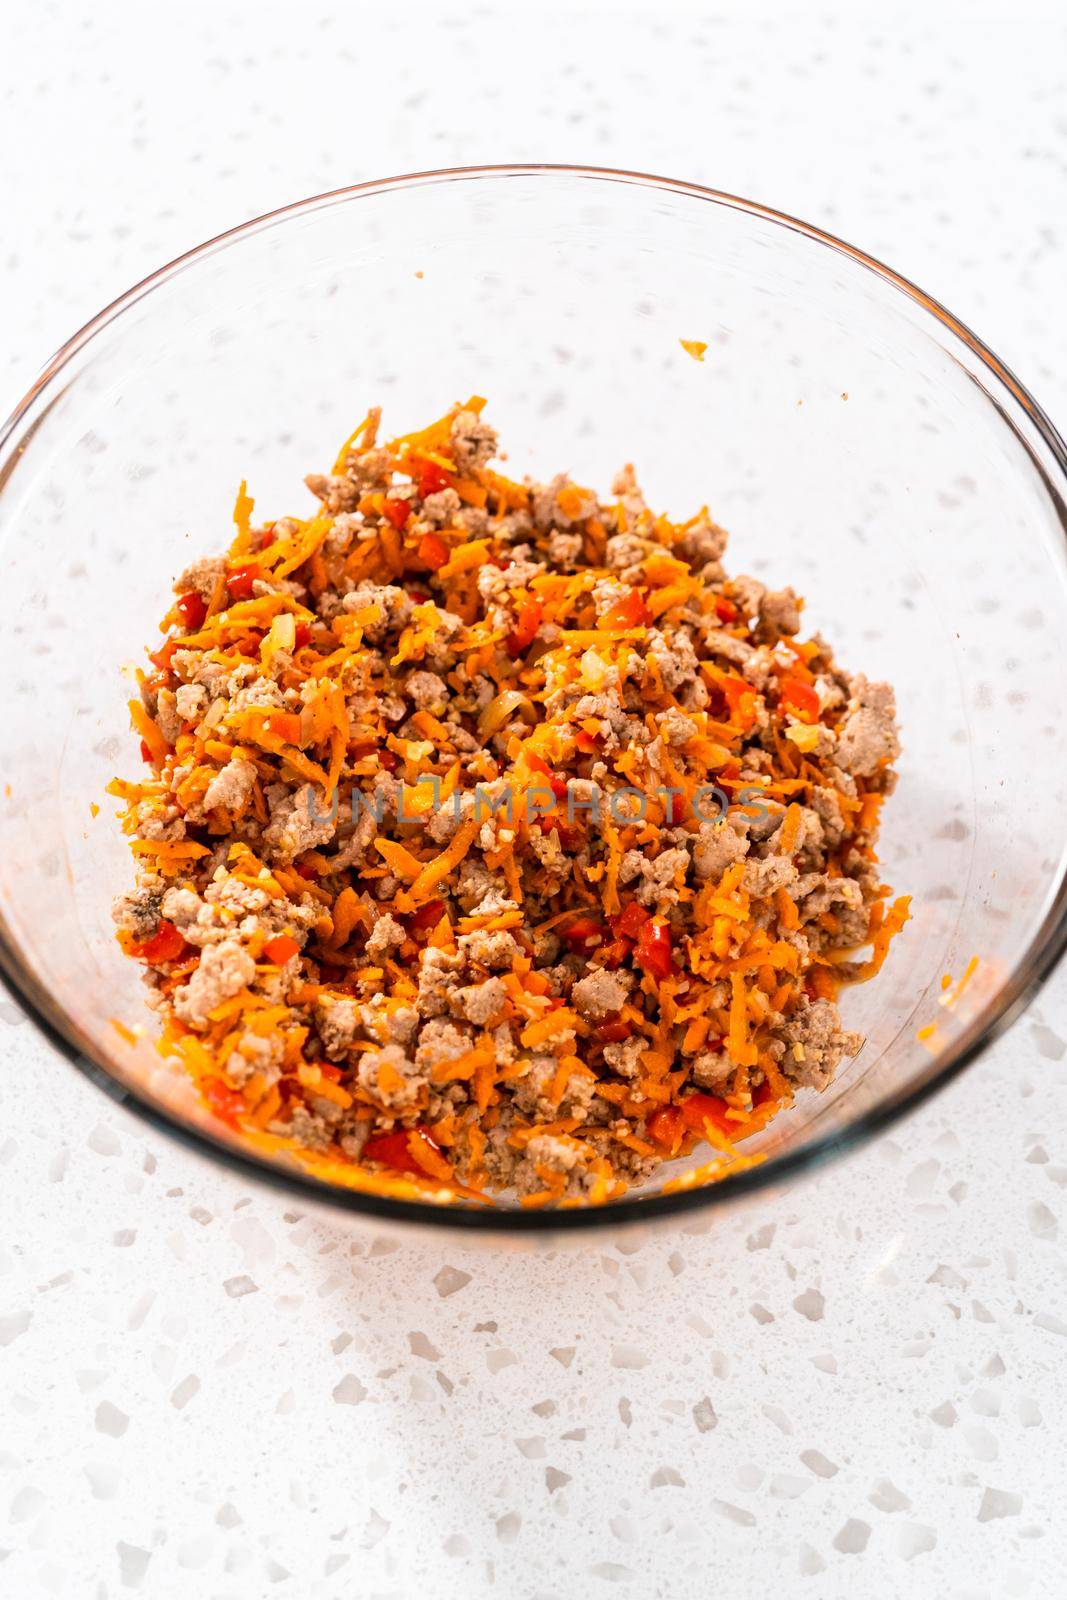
387,935
389,1079
493,838
137,913
717,846
232,788
598,993
223,969
472,442
201,577
867,739
299,822
480,1002
338,1022
814,1043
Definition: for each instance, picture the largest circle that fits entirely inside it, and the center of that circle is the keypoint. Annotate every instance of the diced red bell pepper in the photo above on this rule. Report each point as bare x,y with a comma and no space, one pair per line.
614,954
302,635
419,596
239,580
583,932
146,754
653,951
397,512
192,610
330,1071
166,944
557,784
427,916
249,645
163,658
588,743
388,759
762,1093
631,612
281,949
799,698
666,1127
725,609
526,626
630,921
393,1150
432,478
227,1104
614,1030
433,550
698,1109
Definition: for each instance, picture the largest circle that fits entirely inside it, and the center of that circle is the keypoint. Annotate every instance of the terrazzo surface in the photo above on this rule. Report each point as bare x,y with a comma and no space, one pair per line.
859,1387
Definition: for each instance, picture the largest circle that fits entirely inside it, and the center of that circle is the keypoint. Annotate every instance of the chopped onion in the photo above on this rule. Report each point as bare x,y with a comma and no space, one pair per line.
595,670
502,708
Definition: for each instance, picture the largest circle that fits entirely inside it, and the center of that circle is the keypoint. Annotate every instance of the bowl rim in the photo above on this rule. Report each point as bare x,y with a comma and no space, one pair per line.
1044,950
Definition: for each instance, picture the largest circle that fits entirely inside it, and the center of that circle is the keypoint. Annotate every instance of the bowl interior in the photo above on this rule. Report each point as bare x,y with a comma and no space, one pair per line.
856,444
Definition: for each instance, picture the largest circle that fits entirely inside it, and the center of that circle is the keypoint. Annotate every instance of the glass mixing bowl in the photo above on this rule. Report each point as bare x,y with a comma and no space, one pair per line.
858,442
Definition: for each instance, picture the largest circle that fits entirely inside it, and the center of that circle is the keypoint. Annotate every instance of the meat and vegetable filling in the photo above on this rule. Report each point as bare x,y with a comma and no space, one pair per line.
493,839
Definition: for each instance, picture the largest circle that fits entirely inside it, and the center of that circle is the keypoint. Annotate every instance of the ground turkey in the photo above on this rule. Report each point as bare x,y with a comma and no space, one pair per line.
390,1078
473,442
138,912
762,878
386,936
481,1002
599,994
300,822
717,846
440,1041
868,736
339,1024
224,970
232,787
814,1045
532,1096
439,978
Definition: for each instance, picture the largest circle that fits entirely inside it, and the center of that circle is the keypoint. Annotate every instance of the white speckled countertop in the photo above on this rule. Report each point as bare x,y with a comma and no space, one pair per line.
860,1390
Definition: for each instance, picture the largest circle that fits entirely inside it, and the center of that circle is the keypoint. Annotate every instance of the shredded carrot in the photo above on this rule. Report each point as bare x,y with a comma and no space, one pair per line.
546,1027
787,838
434,871
243,508
399,858
347,914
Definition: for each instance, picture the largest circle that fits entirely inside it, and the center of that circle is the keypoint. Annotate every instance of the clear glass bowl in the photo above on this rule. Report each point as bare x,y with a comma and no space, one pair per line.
856,440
